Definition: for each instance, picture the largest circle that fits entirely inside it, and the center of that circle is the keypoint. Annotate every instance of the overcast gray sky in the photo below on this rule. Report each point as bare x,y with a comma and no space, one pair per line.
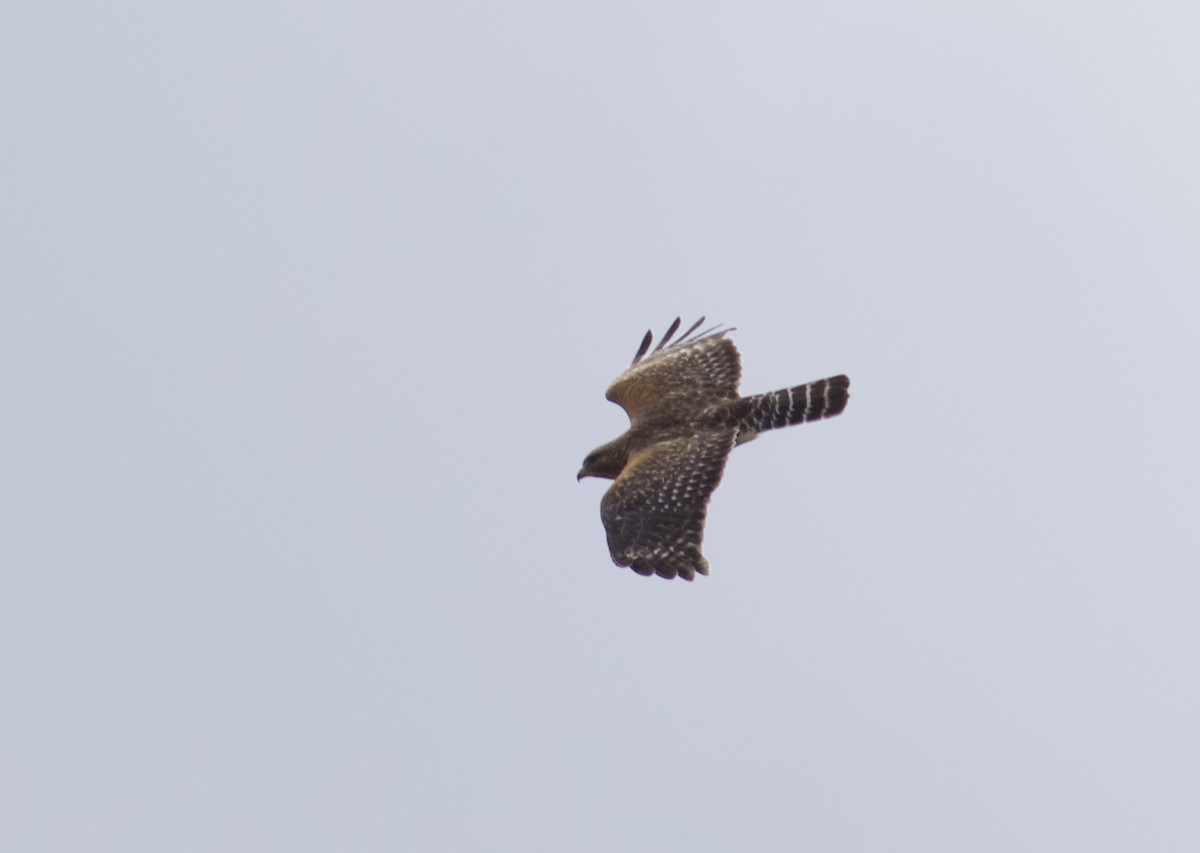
308,312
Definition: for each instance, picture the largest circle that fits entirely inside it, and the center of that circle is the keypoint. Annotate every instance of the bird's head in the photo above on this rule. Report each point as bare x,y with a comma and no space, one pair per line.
606,461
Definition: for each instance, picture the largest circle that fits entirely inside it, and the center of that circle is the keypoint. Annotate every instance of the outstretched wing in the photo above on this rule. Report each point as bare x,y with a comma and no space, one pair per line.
681,377
654,511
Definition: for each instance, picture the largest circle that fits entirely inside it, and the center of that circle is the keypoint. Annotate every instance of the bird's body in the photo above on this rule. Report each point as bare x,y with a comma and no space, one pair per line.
685,415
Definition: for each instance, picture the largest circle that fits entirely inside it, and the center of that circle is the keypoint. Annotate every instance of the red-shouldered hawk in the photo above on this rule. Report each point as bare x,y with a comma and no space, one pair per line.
685,416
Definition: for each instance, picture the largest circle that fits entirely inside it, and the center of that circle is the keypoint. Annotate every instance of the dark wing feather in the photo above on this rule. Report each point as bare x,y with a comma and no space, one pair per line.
645,346
654,512
667,337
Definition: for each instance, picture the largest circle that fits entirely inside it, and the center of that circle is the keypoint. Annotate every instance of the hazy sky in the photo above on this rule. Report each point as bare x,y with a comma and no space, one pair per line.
308,313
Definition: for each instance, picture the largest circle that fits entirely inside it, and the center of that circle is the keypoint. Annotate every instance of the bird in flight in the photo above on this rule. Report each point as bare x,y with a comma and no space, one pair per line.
685,416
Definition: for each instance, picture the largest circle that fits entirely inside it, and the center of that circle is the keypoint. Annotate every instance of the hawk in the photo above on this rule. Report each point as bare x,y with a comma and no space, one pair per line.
685,416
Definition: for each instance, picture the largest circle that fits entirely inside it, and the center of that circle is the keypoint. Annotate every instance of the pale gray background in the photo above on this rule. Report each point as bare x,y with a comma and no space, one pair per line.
308,312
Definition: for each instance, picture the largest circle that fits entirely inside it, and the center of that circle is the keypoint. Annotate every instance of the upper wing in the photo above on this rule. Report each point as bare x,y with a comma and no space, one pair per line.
690,373
654,512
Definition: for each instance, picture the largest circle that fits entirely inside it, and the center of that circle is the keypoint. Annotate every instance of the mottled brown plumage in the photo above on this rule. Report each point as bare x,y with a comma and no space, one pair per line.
685,416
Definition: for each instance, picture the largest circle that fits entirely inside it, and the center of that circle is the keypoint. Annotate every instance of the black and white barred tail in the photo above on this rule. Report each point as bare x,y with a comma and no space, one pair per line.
798,405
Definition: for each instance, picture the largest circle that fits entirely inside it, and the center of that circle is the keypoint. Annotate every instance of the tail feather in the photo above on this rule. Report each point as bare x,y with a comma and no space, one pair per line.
797,405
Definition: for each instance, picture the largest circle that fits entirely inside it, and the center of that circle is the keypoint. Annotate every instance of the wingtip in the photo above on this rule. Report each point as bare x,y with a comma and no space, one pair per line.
668,340
665,339
645,346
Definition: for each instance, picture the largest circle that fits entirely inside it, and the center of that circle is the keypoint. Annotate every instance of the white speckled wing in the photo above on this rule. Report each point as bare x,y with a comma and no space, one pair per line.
683,377
654,512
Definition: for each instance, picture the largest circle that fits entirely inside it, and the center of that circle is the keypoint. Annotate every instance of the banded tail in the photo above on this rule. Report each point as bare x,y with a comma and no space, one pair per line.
797,405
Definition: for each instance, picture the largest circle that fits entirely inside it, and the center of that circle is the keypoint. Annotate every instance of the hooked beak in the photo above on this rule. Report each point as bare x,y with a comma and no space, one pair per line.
580,475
